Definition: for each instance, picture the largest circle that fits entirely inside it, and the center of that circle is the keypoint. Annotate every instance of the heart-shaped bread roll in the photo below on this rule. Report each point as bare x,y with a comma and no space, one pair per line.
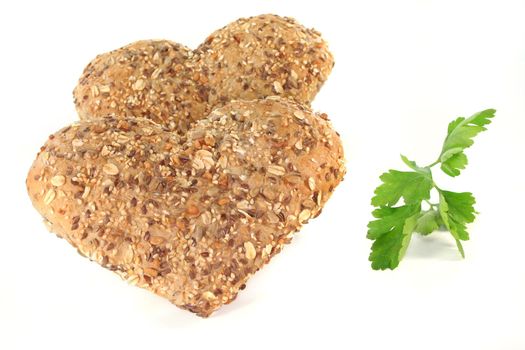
174,86
189,220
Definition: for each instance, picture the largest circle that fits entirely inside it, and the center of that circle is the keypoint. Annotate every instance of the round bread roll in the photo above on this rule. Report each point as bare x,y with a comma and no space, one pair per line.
188,220
174,86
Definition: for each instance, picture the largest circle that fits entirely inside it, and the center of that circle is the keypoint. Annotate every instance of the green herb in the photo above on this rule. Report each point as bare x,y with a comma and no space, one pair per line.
396,221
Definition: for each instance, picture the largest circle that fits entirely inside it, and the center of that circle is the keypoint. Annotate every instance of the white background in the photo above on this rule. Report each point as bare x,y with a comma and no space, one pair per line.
403,70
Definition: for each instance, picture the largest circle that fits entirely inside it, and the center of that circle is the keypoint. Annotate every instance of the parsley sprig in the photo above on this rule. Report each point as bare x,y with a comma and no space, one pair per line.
396,220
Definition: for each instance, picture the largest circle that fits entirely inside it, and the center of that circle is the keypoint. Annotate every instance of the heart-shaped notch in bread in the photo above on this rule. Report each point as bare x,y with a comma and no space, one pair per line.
190,220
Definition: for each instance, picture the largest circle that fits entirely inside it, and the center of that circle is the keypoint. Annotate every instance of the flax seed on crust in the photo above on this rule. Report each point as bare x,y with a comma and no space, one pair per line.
190,220
174,86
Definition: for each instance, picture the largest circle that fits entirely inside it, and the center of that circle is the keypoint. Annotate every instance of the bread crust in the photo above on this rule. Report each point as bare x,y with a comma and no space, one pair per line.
174,86
188,219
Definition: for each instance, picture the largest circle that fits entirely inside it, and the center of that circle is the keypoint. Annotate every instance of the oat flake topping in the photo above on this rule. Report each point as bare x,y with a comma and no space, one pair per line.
174,86
188,218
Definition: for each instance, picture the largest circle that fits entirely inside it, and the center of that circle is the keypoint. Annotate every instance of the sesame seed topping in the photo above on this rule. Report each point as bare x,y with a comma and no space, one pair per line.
209,295
304,215
311,183
278,87
250,250
157,240
87,189
77,143
156,73
139,85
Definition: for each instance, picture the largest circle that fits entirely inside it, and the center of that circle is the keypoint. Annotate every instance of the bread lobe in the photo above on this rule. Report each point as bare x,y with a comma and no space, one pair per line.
188,219
174,86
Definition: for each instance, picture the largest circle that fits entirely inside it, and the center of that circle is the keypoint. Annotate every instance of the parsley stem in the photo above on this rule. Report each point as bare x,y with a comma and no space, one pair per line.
435,163
432,205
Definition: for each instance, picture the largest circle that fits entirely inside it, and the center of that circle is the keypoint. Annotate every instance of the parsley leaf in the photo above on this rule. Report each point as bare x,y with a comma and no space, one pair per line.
395,223
412,186
428,221
412,165
457,210
392,232
459,137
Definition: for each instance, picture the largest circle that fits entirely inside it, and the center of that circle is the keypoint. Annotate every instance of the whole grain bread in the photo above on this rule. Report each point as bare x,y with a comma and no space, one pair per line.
190,219
174,86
